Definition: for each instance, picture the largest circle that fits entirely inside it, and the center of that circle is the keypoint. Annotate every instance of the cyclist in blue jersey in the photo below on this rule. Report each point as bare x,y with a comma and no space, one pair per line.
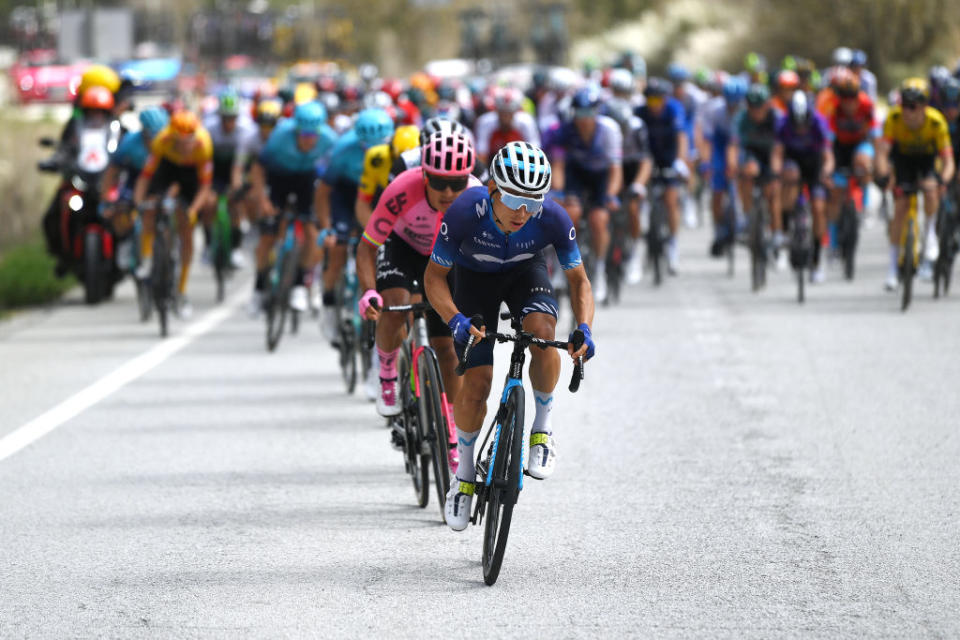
287,166
121,175
337,197
492,237
663,116
132,153
587,153
717,126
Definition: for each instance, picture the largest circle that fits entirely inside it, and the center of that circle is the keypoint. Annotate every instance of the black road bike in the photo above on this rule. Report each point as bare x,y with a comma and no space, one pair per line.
500,463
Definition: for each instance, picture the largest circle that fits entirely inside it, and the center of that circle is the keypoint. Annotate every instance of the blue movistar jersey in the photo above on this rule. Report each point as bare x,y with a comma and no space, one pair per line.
281,155
346,160
470,238
662,129
130,156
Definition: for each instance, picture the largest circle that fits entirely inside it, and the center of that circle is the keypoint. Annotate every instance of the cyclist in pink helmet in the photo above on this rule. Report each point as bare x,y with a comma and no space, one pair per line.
395,250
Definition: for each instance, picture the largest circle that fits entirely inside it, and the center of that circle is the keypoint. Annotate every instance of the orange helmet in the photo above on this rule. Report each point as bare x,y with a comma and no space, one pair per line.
97,98
184,122
788,79
845,83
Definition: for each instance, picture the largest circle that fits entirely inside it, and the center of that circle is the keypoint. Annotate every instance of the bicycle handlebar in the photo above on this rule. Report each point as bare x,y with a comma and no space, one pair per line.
528,339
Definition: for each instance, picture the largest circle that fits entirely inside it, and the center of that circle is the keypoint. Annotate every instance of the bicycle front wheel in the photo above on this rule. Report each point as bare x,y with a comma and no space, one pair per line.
433,423
504,486
416,451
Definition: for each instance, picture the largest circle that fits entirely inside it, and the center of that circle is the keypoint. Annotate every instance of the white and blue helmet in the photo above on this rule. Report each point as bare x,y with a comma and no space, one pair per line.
523,168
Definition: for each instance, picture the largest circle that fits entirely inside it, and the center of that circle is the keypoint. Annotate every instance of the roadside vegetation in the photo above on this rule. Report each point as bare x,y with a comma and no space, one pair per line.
26,277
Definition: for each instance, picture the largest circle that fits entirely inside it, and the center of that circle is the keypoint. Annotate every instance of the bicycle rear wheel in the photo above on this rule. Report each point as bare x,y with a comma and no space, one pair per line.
909,266
161,278
848,232
758,251
504,486
433,423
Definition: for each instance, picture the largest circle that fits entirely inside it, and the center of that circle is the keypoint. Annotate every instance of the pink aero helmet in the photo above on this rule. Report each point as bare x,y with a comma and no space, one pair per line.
448,154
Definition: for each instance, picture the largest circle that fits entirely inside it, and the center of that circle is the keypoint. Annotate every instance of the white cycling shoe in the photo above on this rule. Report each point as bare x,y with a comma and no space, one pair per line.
387,403
635,267
892,282
600,287
144,268
459,502
543,456
298,298
255,306
237,259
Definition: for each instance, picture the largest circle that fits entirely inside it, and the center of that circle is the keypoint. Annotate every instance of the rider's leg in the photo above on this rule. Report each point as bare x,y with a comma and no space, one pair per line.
268,235
544,369
185,229
599,220
470,409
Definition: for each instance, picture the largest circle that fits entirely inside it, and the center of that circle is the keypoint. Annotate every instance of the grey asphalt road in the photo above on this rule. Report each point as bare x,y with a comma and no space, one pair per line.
735,465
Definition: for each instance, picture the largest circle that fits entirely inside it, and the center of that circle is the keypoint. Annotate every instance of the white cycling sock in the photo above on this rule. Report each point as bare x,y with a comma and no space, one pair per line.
601,268
543,405
467,470
894,258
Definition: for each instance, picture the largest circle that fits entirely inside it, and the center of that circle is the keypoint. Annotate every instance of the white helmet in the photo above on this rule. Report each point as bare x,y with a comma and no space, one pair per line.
439,125
621,80
521,167
843,56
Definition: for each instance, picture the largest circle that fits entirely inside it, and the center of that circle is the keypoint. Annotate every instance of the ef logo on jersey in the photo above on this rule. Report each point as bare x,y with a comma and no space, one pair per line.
395,204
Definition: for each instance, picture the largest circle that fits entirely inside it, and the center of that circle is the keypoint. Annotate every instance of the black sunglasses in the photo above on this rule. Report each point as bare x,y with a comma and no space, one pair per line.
910,106
440,183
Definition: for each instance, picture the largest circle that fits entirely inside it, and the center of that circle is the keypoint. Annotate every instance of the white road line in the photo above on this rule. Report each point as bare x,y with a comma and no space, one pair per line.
118,378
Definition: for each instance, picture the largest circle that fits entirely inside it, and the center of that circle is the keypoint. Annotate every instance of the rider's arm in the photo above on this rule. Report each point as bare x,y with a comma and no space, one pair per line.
362,210
682,146
438,290
581,295
366,265
613,141
949,165
322,204
776,159
205,180
732,157
143,180
110,178
258,185
883,157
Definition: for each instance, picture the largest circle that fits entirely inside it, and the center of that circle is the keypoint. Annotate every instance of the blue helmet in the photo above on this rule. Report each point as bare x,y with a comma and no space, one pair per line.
373,127
950,94
153,120
309,117
587,97
677,72
734,89
859,58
